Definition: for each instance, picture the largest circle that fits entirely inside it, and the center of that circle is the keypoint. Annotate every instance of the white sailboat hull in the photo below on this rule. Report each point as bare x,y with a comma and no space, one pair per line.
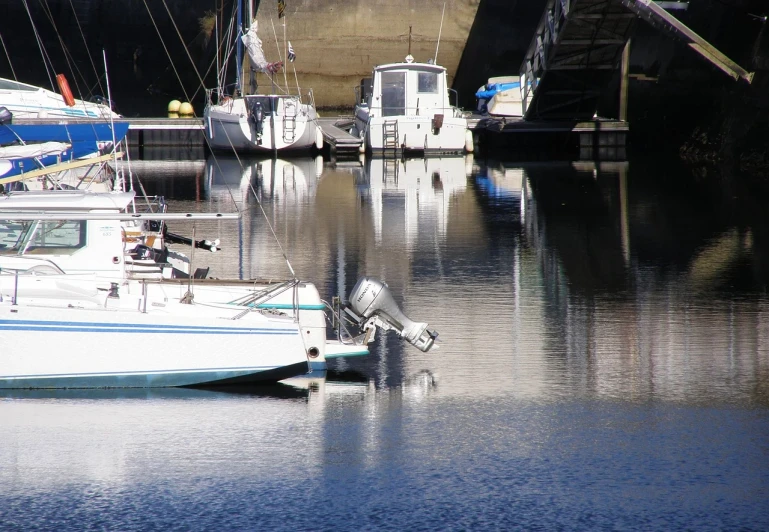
29,101
292,126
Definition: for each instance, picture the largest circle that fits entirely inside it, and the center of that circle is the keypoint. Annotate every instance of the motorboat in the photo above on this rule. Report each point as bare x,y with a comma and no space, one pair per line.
28,101
67,273
501,96
405,107
248,122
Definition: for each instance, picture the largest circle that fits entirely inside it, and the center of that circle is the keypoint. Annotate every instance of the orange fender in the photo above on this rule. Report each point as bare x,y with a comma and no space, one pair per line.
65,91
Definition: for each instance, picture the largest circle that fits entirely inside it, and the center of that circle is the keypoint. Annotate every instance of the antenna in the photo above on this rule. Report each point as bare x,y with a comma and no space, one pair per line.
409,39
435,59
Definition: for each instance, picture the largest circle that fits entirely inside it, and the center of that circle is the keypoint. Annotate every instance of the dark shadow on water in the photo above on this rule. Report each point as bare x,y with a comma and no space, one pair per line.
276,391
346,376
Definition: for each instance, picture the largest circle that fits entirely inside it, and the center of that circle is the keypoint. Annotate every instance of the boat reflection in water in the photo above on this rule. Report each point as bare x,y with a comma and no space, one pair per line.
409,197
534,271
274,180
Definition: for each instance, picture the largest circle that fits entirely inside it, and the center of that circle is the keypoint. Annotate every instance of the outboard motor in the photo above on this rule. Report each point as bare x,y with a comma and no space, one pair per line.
256,113
371,304
5,116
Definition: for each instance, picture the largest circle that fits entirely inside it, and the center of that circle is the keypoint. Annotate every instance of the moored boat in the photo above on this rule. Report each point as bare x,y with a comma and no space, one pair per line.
66,274
247,122
405,107
29,101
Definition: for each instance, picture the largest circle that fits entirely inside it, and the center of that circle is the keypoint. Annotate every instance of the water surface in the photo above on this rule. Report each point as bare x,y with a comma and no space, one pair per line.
603,361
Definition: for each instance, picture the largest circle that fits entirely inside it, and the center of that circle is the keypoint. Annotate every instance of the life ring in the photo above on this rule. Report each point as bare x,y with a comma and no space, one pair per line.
65,90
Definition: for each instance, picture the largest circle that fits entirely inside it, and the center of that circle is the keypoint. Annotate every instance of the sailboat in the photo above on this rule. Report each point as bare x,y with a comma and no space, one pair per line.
241,122
67,275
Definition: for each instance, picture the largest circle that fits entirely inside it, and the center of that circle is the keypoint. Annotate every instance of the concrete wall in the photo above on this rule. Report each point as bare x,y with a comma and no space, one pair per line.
338,43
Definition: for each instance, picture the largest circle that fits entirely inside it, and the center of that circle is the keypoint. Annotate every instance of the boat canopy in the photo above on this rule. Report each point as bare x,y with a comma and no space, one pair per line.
65,200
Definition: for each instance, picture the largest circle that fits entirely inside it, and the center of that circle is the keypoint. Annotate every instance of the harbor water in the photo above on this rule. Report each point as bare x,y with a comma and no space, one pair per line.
603,360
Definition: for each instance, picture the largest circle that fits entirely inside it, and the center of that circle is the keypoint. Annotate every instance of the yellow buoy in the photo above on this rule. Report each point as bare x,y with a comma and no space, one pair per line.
185,109
173,106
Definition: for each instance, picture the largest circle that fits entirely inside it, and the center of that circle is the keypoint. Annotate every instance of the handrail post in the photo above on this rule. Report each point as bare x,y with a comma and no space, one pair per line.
15,288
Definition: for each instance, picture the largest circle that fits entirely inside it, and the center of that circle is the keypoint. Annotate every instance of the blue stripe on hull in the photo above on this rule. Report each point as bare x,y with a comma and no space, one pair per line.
63,326
158,379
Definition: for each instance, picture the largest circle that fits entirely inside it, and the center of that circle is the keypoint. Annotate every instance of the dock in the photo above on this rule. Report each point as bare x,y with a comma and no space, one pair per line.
598,139
152,134
150,138
164,138
338,139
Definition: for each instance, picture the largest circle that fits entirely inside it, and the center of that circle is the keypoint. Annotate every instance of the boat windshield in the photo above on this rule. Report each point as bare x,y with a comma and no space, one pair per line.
59,237
427,82
10,85
13,235
393,93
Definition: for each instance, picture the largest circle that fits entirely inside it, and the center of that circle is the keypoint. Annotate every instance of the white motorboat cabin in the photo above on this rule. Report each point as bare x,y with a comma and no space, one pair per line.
408,109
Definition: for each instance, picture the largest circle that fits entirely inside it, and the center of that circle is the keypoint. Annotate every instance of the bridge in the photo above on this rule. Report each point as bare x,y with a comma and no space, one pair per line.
578,47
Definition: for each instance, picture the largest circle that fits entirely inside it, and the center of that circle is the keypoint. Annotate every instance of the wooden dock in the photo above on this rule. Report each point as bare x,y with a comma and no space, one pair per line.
338,140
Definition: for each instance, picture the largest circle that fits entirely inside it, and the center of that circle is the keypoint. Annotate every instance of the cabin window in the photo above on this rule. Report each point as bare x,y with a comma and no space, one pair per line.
57,237
427,82
11,236
393,93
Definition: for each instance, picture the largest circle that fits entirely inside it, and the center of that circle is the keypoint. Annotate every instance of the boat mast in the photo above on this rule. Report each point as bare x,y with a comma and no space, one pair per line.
239,49
251,74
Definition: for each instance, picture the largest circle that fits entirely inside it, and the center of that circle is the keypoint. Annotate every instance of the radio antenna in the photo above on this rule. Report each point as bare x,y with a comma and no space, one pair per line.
435,59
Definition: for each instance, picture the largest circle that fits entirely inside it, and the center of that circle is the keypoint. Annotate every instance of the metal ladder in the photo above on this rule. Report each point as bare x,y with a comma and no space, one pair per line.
390,134
289,120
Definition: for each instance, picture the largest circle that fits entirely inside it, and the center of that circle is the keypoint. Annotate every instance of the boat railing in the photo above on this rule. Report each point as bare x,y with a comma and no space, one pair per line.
77,286
418,110
338,320
149,204
15,272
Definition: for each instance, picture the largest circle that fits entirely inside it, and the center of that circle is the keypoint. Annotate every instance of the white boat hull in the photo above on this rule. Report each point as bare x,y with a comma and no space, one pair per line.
302,302
29,101
415,134
64,333
228,127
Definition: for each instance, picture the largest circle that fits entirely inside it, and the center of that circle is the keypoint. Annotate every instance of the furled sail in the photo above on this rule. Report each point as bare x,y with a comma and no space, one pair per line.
253,45
32,150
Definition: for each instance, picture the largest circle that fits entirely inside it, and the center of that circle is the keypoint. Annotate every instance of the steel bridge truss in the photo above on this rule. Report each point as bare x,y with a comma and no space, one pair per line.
576,50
